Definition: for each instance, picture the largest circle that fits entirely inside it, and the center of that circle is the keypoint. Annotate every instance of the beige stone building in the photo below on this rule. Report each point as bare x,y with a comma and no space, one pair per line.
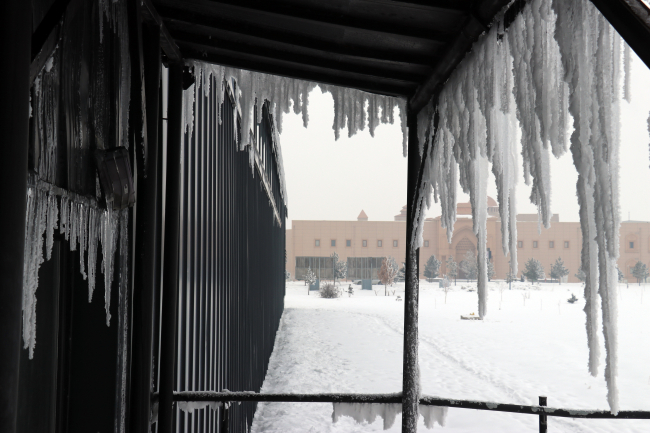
364,243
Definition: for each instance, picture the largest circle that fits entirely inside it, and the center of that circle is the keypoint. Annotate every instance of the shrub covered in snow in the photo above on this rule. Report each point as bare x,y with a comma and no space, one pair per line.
329,291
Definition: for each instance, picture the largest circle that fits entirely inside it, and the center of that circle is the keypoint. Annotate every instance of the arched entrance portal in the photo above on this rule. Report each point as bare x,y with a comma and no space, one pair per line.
462,247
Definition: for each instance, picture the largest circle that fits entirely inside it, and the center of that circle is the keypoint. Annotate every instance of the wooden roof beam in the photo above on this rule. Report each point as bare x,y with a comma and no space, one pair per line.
342,13
279,51
255,63
298,31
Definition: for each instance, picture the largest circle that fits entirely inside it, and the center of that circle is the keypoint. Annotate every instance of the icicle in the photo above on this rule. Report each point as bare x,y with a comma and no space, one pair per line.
52,223
93,238
591,56
65,216
82,226
627,66
108,239
35,227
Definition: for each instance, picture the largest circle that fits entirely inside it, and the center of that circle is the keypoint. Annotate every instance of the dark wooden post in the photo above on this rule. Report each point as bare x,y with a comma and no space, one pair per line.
147,249
410,371
169,316
15,52
543,426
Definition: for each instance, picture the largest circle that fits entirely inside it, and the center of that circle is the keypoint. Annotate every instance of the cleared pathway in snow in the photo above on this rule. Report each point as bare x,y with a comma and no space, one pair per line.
355,345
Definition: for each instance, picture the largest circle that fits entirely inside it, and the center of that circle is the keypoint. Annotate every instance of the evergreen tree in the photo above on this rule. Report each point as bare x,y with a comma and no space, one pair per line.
581,274
452,268
432,267
490,269
339,269
620,274
534,270
558,271
469,266
640,272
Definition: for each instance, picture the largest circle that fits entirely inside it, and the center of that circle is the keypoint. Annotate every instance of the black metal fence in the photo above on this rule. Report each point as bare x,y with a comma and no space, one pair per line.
231,263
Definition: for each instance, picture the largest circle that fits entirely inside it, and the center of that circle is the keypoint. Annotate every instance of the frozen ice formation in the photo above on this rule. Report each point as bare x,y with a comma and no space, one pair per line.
368,412
83,224
352,108
558,61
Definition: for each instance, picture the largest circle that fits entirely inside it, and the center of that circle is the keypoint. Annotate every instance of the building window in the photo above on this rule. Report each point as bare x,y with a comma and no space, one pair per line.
631,245
534,244
364,243
394,243
333,242
566,244
317,243
520,244
379,243
348,243
551,244
426,244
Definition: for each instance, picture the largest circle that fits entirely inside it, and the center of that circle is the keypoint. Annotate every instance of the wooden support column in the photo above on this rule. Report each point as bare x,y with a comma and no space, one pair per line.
410,371
15,51
169,316
147,248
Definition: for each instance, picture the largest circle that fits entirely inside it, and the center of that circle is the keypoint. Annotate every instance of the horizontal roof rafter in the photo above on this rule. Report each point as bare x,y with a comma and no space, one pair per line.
300,71
303,32
271,50
427,20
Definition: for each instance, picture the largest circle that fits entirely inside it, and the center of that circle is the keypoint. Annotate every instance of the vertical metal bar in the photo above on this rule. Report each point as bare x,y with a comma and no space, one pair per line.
170,270
147,247
410,372
16,32
543,426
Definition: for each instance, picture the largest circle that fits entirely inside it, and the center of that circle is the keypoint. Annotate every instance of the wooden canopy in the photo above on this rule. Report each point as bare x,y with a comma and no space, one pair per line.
393,47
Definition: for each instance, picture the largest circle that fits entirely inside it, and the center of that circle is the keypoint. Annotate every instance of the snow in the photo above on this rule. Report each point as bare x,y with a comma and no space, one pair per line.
517,353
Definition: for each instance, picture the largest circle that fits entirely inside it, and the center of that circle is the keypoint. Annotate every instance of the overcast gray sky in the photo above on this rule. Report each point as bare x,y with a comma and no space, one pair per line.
335,180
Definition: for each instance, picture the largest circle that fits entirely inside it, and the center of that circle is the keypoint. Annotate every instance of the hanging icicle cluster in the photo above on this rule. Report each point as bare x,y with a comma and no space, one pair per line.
352,108
591,54
84,225
558,57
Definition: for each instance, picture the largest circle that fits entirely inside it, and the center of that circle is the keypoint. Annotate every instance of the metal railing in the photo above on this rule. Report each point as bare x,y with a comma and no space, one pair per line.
541,410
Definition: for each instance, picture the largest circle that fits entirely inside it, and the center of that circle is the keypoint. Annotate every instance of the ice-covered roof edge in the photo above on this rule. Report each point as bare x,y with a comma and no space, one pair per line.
353,108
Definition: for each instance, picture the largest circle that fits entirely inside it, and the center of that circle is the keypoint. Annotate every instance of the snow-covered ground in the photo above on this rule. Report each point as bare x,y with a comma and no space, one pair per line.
532,343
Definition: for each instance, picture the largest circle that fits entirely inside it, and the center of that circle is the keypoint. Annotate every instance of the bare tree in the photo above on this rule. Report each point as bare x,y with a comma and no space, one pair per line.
387,273
469,266
452,268
310,278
